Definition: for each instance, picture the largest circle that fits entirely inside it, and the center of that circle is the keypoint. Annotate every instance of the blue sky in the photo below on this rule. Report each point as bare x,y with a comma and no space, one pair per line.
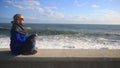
62,11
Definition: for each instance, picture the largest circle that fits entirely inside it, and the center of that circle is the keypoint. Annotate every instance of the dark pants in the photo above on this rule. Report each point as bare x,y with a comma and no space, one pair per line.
28,45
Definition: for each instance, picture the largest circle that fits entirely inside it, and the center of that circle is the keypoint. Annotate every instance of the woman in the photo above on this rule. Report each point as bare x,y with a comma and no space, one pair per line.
20,43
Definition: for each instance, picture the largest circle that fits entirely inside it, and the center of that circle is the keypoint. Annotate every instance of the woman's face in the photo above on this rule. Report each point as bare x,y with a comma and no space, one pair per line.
21,20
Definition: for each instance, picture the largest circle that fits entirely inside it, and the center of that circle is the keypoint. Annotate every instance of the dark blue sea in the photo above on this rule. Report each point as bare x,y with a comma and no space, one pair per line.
83,36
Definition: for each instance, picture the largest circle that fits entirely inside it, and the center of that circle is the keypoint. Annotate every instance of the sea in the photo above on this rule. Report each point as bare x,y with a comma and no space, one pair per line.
68,36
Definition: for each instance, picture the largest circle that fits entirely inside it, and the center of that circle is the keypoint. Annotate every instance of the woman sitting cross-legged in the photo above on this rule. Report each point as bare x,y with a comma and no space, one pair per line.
21,43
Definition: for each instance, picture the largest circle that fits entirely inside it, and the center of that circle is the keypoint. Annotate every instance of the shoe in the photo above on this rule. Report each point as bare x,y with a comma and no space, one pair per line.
29,53
36,48
25,53
33,52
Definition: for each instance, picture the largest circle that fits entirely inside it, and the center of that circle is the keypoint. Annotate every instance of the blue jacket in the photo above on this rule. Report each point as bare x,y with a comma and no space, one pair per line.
17,39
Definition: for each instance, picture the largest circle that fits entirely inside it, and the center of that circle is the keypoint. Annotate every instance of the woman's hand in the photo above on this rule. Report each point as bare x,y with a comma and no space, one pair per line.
35,34
33,40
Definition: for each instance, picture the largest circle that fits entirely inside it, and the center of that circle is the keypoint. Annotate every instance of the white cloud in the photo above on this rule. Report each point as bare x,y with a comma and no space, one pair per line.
53,8
50,13
95,6
106,16
25,5
35,6
101,17
109,0
78,4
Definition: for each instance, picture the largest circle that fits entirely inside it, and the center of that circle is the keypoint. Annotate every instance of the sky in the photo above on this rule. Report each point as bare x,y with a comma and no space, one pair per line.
62,11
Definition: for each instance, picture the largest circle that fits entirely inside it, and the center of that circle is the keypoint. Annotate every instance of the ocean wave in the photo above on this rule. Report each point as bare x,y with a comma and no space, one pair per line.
46,31
4,31
72,33
52,32
4,28
69,41
80,33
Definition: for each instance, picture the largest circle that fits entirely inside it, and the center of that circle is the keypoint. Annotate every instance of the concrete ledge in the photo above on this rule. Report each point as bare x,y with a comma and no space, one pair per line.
62,58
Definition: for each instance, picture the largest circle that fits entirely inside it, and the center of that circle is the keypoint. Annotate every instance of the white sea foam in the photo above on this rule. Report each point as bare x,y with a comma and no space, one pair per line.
68,42
4,42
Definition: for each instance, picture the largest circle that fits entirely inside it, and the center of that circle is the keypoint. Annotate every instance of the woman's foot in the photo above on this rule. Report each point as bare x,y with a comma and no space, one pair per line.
30,53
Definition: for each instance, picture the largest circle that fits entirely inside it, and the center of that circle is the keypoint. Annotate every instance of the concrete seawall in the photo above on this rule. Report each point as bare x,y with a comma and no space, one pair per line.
62,58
